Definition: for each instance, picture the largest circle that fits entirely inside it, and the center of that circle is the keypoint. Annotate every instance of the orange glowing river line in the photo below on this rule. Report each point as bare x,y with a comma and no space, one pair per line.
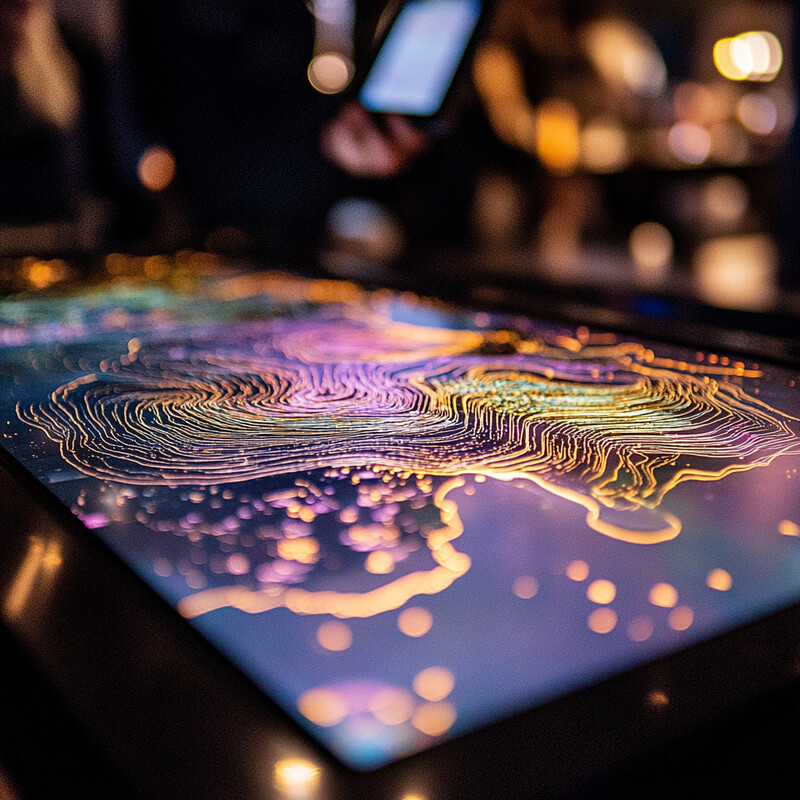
451,565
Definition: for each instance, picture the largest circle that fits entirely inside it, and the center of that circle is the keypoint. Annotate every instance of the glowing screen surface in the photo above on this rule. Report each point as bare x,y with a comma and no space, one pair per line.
404,520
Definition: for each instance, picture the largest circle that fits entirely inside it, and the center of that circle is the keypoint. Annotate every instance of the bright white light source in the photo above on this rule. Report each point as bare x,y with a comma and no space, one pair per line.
751,56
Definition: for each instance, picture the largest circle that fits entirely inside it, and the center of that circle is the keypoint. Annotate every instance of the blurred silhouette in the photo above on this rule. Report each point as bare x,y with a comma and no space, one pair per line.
256,146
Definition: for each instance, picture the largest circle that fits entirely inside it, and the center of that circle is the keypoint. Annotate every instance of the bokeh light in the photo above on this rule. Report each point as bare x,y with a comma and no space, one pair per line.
757,113
663,595
434,683
625,55
392,706
738,271
415,621
604,146
602,620
601,591
296,777
558,135
680,618
788,528
651,248
324,707
330,73
525,587
689,142
751,56
719,579
725,199
156,168
334,635
640,629
434,719
577,571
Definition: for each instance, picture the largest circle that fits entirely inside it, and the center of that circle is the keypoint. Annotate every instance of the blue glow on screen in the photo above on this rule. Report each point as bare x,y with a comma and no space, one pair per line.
417,62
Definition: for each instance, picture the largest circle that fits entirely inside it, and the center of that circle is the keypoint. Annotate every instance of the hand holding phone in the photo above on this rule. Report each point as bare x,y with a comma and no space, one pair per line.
420,59
356,143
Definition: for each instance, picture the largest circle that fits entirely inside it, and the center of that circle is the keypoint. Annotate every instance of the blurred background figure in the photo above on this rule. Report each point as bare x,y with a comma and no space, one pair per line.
40,106
608,143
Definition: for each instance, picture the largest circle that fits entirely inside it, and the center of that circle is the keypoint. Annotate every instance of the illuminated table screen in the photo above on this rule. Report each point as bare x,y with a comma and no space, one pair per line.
405,520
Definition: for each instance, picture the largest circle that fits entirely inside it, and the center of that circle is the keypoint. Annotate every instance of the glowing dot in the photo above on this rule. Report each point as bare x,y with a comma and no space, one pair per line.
558,135
689,142
434,719
754,56
640,629
349,515
525,587
658,699
415,622
719,579
738,271
379,562
758,113
604,146
602,620
725,198
663,595
680,618
788,528
602,592
577,571
304,549
238,564
323,707
329,73
434,683
156,168
651,248
162,567
334,635
392,706
296,775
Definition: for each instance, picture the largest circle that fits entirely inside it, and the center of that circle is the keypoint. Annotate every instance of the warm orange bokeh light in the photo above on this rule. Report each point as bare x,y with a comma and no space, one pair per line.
602,620
334,635
434,719
434,683
577,571
156,168
602,592
324,707
663,595
719,579
415,622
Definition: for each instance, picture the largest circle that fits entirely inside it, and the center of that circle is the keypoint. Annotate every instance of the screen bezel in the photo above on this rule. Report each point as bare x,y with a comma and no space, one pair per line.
152,702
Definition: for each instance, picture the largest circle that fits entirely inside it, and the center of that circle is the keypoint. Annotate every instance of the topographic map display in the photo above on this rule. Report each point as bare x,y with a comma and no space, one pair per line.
402,519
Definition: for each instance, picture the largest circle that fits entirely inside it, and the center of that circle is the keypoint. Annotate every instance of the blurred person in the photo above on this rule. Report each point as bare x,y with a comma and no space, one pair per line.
256,147
40,102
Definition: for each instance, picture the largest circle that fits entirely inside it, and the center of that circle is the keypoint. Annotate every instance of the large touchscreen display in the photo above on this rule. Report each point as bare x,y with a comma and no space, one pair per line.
404,520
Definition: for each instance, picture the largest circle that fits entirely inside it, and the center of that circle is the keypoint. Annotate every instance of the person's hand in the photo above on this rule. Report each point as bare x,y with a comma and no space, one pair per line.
354,142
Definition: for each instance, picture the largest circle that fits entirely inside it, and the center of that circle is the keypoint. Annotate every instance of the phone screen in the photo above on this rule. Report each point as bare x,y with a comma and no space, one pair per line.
402,519
419,57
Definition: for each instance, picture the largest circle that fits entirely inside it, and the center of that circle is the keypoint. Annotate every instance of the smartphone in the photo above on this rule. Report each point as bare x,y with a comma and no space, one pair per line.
293,538
420,58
